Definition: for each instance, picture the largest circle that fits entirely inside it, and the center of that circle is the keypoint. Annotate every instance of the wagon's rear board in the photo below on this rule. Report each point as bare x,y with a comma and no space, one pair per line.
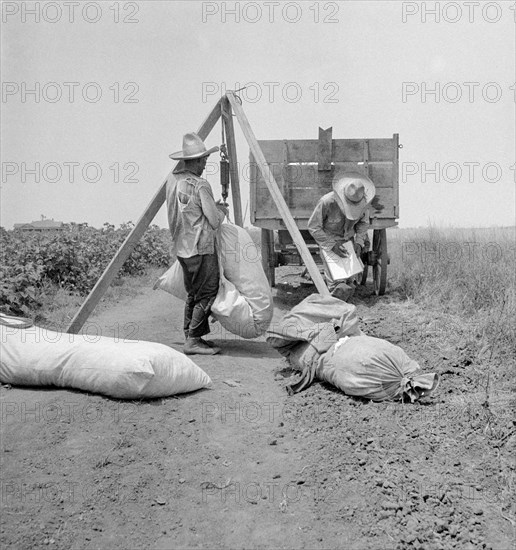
294,166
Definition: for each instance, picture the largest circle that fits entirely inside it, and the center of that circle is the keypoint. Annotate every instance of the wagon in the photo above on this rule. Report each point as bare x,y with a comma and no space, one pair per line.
304,170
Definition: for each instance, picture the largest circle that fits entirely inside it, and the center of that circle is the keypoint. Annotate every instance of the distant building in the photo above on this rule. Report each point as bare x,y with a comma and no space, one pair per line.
75,227
40,226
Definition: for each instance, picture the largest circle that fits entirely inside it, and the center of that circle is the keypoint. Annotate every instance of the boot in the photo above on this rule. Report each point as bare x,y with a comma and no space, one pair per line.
196,346
208,342
343,292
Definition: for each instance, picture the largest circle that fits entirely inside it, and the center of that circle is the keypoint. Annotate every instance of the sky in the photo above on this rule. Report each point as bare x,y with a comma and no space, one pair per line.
96,95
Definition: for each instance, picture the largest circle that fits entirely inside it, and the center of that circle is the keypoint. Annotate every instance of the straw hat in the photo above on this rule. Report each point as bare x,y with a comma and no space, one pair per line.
354,193
193,148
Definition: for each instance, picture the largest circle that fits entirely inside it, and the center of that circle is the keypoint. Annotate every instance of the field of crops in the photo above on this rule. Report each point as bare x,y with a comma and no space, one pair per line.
36,265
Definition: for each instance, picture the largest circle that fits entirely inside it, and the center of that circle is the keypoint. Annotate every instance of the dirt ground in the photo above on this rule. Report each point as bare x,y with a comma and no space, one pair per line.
242,465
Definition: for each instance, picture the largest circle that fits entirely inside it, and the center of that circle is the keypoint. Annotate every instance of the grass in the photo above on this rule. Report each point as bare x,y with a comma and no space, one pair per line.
465,272
469,276
470,273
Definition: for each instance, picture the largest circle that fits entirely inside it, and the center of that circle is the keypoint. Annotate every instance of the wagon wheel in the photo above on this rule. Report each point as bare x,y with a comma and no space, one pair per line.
365,260
381,261
364,274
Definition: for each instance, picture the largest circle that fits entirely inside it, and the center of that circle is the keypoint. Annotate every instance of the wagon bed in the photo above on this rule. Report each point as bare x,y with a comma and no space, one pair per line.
304,170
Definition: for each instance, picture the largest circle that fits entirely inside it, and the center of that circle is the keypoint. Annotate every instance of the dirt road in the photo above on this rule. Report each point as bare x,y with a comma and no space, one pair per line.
242,465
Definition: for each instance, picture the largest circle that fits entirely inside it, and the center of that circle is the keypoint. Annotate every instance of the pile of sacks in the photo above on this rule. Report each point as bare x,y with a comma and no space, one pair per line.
321,338
243,305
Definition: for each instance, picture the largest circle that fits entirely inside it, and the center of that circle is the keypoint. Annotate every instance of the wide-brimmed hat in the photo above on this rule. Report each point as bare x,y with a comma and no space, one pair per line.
354,192
193,148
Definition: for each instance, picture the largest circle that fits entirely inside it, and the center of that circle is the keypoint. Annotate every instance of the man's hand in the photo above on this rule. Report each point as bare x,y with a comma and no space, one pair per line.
358,250
223,207
340,250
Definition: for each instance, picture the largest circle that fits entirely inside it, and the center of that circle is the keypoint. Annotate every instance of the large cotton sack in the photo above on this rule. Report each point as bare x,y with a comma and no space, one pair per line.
243,305
375,369
125,369
242,266
234,312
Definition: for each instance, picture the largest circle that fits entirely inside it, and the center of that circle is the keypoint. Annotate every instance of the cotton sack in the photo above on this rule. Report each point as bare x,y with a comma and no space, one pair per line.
243,305
374,368
126,369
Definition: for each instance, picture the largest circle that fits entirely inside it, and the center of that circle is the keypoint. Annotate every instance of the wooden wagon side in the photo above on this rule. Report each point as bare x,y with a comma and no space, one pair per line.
304,171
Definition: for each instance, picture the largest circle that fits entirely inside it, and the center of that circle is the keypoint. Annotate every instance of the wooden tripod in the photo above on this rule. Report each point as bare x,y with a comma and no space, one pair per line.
224,107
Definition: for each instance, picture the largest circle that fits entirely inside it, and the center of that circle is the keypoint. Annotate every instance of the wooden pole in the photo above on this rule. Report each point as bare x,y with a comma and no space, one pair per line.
324,149
132,239
277,196
227,120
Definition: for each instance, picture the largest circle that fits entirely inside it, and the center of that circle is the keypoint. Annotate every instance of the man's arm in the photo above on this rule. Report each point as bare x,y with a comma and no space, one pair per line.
209,208
361,228
315,226
171,203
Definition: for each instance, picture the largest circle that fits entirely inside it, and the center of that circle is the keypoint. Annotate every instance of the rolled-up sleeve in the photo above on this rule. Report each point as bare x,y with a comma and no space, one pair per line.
315,226
361,228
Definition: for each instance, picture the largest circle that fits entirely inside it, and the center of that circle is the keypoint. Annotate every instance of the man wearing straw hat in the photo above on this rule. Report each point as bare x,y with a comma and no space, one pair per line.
193,218
341,216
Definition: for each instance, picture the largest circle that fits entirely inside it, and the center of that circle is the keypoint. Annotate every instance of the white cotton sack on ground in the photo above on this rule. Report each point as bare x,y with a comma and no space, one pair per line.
125,369
375,369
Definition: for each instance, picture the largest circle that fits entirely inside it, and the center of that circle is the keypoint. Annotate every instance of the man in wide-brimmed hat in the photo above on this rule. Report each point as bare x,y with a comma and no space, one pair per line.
341,216
193,217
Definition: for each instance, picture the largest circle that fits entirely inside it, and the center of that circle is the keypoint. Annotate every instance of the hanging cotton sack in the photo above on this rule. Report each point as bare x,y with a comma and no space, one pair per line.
242,266
243,305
